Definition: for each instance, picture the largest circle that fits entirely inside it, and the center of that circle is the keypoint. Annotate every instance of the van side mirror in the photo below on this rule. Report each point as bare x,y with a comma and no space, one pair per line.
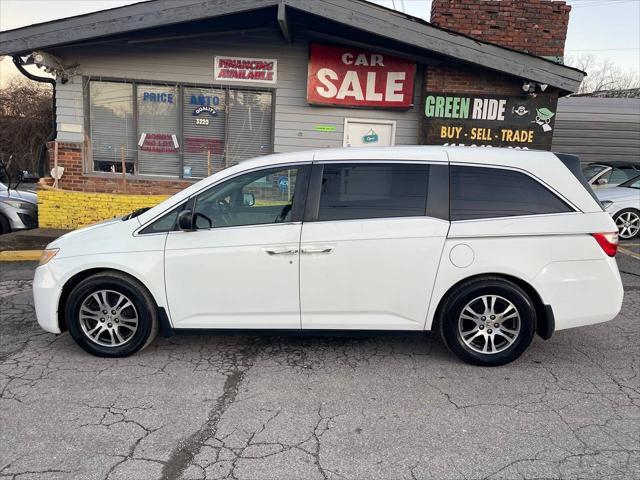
602,181
185,220
248,199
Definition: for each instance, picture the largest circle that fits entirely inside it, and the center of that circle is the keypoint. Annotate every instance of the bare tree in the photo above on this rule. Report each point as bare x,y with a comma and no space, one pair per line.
603,75
25,123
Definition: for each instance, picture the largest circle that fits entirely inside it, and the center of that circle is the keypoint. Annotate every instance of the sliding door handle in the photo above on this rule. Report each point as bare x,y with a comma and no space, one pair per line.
322,249
281,251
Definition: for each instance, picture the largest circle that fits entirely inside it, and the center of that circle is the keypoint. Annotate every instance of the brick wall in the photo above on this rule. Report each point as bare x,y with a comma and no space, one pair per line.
535,26
74,179
459,78
69,210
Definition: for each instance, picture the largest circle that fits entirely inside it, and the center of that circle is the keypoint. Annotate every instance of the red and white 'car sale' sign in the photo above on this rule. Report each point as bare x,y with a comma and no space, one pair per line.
358,78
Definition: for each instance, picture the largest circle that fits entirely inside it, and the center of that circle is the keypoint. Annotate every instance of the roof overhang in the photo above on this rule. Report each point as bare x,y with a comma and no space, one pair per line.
354,14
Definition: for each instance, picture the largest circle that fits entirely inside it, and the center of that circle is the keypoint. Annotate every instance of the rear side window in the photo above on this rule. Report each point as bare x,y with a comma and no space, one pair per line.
590,171
362,190
479,192
616,176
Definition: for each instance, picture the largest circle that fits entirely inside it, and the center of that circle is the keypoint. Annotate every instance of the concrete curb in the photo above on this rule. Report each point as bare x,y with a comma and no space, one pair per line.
20,255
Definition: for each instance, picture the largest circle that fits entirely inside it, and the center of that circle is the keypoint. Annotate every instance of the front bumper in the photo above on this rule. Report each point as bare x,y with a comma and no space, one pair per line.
20,219
46,297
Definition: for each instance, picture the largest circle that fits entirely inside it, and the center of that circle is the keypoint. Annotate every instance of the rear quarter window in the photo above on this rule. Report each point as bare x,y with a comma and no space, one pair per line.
482,192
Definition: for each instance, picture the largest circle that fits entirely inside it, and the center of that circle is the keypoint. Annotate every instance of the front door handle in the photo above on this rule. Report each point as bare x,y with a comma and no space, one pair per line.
281,251
320,249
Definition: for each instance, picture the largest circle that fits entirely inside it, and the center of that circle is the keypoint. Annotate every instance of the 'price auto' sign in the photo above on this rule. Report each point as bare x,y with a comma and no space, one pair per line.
350,77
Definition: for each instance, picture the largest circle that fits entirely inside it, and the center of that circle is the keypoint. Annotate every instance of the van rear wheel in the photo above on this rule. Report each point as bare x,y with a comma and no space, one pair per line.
487,321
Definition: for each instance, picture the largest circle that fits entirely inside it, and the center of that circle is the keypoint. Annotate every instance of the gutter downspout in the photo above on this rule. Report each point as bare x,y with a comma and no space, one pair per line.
52,136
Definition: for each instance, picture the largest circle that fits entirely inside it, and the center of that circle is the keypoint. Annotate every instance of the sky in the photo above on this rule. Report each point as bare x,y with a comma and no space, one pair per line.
606,29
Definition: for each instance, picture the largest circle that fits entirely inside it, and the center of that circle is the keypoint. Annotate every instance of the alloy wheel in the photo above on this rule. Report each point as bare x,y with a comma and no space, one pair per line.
628,224
108,318
489,324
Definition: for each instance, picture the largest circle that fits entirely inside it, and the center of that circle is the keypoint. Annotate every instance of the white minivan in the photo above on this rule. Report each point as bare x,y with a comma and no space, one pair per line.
484,246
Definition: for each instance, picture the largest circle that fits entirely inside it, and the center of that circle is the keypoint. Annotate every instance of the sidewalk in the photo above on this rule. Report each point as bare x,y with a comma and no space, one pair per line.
28,244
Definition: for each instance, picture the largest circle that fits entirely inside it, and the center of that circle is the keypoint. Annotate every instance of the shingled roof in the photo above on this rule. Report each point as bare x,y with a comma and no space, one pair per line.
361,15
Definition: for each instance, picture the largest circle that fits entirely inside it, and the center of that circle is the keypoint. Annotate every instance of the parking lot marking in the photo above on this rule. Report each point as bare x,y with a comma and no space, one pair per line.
20,255
628,252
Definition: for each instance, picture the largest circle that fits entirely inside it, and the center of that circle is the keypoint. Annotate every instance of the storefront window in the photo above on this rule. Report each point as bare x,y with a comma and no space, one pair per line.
113,136
250,124
204,120
158,133
174,131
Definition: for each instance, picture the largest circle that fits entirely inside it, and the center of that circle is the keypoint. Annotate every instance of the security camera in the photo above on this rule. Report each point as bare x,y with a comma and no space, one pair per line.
527,87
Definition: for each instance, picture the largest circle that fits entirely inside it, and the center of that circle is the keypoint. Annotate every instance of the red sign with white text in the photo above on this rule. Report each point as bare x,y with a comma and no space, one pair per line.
350,77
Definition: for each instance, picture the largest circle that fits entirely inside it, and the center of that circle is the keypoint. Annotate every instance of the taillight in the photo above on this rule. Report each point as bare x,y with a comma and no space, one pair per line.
608,242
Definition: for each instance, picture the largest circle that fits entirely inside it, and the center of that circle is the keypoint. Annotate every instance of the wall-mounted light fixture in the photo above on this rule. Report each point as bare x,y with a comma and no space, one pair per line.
529,88
52,64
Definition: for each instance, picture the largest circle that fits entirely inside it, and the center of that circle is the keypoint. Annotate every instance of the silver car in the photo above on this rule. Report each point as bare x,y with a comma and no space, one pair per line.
18,209
623,204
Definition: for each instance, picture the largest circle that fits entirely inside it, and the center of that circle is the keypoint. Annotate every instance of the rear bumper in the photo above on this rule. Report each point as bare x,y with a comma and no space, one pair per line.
581,292
46,296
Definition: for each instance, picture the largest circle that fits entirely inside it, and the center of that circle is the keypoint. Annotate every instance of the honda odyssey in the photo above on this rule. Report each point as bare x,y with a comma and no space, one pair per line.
485,247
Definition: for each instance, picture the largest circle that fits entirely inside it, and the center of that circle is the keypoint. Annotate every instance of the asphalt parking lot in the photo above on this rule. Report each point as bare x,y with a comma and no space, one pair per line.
214,407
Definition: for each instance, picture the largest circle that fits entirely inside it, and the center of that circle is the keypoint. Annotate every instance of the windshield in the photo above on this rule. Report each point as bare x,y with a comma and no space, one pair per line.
135,213
590,171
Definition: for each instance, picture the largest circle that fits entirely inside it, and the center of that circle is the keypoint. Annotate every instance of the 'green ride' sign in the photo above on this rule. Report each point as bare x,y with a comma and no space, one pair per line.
489,120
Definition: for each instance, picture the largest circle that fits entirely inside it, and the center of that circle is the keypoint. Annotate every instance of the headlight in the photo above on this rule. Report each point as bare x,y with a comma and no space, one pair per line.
606,203
47,255
18,204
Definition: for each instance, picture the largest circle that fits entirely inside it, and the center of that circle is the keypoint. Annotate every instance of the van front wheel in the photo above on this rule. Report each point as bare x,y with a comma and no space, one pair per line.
488,321
111,315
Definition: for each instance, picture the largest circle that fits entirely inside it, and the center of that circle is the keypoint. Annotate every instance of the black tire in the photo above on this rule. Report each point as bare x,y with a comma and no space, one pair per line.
635,214
4,225
144,308
463,295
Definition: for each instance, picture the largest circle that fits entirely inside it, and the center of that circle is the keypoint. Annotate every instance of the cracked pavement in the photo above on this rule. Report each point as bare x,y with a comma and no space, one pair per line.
225,407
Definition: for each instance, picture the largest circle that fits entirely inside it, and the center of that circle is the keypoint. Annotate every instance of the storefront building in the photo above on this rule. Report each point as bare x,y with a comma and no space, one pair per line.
153,96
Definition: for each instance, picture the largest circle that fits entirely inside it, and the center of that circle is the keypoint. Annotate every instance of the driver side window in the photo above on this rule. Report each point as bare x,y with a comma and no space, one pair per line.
261,197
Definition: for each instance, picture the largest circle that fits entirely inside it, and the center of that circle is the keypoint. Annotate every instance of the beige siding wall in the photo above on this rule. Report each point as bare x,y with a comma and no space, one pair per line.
190,60
598,129
70,110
